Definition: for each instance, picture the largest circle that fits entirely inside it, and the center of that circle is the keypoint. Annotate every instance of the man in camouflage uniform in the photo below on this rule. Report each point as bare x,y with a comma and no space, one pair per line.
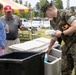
65,25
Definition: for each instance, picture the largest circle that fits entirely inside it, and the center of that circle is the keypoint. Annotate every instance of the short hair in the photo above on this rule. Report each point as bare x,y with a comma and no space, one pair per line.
46,6
1,6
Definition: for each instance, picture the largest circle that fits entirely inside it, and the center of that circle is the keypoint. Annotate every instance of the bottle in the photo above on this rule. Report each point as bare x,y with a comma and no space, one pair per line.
7,28
46,58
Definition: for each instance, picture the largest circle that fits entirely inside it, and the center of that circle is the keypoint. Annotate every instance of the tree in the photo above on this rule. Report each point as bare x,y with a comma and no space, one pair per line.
26,3
42,2
20,1
29,5
18,14
38,5
37,9
58,4
26,15
16,1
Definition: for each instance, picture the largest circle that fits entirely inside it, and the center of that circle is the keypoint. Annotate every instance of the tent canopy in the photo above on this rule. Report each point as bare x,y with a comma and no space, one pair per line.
15,6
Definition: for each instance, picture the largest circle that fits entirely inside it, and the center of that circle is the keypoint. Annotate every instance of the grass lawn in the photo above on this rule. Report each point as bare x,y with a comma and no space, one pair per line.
42,32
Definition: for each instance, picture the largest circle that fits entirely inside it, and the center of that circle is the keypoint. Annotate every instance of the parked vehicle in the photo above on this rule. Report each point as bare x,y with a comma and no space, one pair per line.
25,22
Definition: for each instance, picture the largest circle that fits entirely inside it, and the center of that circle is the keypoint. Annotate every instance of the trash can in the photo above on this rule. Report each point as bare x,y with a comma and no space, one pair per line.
22,63
52,66
57,46
57,53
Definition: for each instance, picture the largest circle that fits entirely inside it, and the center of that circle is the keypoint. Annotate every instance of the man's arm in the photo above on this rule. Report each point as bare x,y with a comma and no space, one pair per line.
71,29
52,41
20,26
71,20
1,40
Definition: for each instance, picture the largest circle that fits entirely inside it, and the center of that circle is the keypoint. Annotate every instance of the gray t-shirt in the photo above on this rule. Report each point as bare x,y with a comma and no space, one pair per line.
14,23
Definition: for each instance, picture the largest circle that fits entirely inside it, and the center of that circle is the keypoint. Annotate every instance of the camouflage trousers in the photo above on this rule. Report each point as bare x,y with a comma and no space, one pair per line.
68,60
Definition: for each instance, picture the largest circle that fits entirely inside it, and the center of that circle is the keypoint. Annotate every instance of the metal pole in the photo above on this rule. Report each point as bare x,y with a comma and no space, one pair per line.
68,4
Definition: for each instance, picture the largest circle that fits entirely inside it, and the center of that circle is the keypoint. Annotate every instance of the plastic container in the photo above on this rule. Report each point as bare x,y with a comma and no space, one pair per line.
22,63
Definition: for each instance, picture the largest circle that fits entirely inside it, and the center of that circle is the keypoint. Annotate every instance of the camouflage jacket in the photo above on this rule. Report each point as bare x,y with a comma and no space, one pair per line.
62,23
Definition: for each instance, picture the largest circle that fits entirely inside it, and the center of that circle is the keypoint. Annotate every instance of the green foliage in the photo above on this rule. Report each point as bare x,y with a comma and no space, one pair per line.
29,5
16,1
58,4
20,1
38,5
24,15
18,14
26,3
42,2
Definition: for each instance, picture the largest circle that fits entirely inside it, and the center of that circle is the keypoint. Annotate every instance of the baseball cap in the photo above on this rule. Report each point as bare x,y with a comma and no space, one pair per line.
7,8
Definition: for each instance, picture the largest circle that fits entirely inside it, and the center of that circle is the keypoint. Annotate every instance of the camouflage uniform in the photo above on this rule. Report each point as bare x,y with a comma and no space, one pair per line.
58,39
62,22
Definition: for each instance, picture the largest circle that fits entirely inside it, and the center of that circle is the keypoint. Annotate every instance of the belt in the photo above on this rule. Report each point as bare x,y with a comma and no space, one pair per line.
11,38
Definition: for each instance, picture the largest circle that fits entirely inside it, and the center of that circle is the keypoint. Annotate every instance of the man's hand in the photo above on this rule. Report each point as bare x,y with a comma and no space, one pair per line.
22,27
58,33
